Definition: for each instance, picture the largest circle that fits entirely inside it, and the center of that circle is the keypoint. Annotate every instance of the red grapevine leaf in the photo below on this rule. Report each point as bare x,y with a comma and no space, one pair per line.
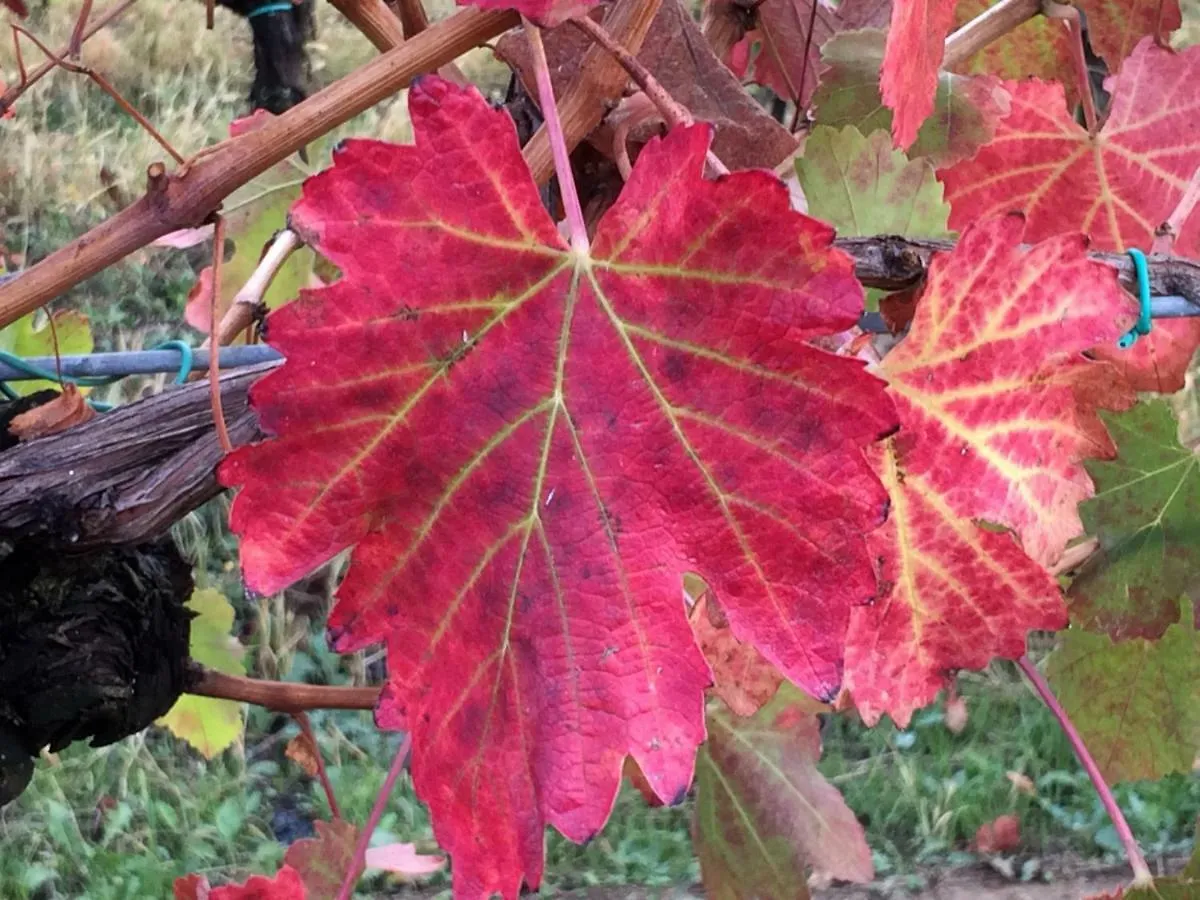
530,446
986,383
1159,361
17,6
1118,186
915,45
1115,27
961,596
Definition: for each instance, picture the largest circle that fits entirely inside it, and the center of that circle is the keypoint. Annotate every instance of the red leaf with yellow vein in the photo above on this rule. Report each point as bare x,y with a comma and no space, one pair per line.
960,597
988,381
529,446
915,44
1117,186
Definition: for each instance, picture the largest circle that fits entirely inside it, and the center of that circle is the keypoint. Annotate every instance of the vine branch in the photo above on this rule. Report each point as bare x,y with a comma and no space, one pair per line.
280,696
188,196
991,25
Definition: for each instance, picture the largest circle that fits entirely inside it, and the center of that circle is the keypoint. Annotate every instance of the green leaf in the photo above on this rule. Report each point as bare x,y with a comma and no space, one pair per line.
1136,703
31,336
208,724
763,811
1146,515
862,186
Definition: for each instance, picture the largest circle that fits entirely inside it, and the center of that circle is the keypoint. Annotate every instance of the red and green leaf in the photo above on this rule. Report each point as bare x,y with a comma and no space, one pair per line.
965,108
529,452
1136,703
764,813
862,186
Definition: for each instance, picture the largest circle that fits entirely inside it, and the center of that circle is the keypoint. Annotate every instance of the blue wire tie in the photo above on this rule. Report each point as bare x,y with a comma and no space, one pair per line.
1144,321
267,8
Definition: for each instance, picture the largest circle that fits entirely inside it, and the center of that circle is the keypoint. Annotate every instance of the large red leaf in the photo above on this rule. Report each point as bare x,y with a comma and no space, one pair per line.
529,447
988,379
915,45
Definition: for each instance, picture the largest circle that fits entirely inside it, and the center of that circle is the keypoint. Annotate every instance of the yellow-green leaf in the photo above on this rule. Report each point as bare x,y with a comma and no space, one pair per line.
208,724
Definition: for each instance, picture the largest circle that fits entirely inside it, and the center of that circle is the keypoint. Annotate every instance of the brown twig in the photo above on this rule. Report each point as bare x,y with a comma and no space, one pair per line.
412,17
375,20
192,195
214,368
75,44
992,24
10,95
107,87
673,112
280,696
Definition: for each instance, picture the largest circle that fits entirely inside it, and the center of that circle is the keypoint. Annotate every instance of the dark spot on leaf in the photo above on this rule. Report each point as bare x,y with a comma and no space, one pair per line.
679,797
675,367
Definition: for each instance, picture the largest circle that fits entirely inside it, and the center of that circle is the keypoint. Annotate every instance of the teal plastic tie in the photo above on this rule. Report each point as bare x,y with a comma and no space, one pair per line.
267,8
185,358
186,362
1144,321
